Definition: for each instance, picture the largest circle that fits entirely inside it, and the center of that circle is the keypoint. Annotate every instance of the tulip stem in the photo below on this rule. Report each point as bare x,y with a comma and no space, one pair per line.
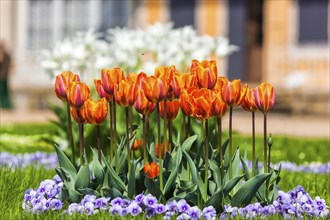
253,142
230,142
165,129
188,127
114,126
183,127
73,153
170,131
130,121
206,158
220,148
81,137
144,139
111,131
127,140
158,124
265,142
98,131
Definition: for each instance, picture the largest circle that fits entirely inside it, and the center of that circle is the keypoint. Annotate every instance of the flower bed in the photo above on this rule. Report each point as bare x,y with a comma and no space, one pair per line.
293,204
49,161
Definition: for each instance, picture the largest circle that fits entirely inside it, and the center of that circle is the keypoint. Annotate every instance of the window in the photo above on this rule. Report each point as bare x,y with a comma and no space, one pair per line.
313,21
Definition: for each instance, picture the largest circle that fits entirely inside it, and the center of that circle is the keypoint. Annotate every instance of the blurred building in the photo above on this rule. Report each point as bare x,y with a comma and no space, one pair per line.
284,42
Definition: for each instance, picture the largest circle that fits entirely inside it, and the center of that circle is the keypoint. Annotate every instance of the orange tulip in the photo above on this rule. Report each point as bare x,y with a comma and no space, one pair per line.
110,78
219,107
206,73
163,149
201,100
220,83
183,81
136,144
82,114
152,170
166,74
140,78
232,92
100,90
96,111
125,93
131,77
248,103
264,97
154,89
172,109
77,93
143,105
185,103
61,84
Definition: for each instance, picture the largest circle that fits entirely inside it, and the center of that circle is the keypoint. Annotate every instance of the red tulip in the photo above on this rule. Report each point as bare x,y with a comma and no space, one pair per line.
143,105
61,84
163,149
154,89
265,97
152,170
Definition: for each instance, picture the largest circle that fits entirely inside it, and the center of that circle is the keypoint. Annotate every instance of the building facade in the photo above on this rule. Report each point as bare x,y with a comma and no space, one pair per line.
285,42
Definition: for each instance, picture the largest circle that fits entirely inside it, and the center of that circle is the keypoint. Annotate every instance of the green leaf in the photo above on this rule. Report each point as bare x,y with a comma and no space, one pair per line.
131,181
65,163
217,198
246,193
83,177
245,170
74,195
97,168
112,192
174,173
216,173
195,175
255,167
152,186
236,164
89,191
115,177
188,142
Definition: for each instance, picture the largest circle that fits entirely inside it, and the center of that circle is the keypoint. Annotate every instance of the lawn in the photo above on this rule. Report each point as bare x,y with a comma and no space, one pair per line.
14,182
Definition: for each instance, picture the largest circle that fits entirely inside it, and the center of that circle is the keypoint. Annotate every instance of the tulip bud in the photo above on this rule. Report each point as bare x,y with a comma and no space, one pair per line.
270,141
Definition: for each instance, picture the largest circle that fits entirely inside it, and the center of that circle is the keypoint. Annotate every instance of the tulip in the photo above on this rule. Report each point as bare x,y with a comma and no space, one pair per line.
143,105
80,114
265,97
152,170
125,93
172,109
166,74
61,84
136,144
100,90
78,93
233,95
221,81
183,81
131,77
96,111
185,103
219,107
202,100
110,78
163,149
206,73
154,89
232,92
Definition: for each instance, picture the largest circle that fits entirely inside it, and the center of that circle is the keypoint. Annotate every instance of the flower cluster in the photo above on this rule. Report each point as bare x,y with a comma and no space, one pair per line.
37,159
295,204
44,198
133,49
